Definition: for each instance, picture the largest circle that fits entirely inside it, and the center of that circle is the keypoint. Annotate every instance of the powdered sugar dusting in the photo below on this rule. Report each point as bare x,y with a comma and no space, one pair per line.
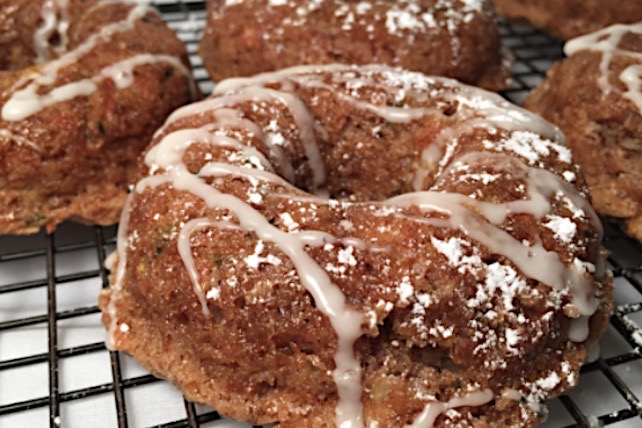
405,290
454,250
412,16
213,294
549,382
564,228
346,256
253,261
531,147
403,18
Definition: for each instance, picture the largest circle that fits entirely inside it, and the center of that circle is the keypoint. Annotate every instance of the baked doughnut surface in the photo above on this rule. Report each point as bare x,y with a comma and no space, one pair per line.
84,86
331,245
566,19
594,96
453,38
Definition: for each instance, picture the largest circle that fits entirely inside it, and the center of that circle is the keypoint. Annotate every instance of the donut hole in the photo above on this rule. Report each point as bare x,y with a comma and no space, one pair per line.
353,155
367,166
374,162
437,358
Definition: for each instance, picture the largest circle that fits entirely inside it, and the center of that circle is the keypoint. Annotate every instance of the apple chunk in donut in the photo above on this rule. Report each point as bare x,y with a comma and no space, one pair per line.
359,246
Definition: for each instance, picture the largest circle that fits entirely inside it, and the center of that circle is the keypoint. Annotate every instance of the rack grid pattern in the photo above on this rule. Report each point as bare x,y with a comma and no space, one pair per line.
42,277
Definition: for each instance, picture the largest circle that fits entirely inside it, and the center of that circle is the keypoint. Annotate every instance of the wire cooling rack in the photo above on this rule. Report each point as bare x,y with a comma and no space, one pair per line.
55,370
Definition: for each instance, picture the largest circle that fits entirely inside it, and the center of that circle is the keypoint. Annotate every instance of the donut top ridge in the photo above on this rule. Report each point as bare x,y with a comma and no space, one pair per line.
26,98
453,38
402,18
83,86
608,41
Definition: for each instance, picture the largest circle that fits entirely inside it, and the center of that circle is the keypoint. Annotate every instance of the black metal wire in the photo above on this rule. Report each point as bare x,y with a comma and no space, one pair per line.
116,371
575,412
531,48
54,396
192,417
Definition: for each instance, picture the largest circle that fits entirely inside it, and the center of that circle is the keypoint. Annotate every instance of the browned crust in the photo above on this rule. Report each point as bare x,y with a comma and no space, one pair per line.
86,148
604,132
251,37
566,19
265,352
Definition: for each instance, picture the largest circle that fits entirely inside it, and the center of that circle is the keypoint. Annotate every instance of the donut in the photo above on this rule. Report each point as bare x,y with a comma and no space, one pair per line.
454,38
359,246
571,18
83,86
594,97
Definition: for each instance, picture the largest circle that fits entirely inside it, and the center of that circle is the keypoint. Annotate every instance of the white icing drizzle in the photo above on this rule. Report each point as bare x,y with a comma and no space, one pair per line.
490,107
28,100
327,296
542,185
48,73
309,238
302,116
534,261
219,168
579,329
305,123
185,251
631,78
104,3
428,162
482,109
122,75
227,118
430,413
19,139
167,155
479,220
607,41
173,145
388,113
511,394
51,24
44,32
593,353
122,243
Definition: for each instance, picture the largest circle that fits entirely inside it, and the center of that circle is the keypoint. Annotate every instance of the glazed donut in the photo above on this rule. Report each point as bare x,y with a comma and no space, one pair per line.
84,86
343,245
595,97
571,18
453,38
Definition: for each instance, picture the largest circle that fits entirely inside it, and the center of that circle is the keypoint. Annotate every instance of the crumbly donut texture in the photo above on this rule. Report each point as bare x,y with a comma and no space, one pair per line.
594,97
84,86
331,245
566,19
453,38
